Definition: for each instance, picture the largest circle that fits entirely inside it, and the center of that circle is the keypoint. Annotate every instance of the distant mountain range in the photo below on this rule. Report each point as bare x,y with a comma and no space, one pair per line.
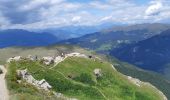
69,32
151,54
19,37
143,44
25,38
116,36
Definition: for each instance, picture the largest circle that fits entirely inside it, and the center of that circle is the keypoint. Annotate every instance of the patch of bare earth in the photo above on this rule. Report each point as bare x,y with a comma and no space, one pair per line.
3,88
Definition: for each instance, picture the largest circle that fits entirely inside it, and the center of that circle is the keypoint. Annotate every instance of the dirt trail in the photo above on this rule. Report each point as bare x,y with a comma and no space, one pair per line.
3,89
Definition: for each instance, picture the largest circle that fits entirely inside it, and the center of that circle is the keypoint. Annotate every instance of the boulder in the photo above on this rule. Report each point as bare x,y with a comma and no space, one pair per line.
16,58
45,85
48,60
97,72
32,58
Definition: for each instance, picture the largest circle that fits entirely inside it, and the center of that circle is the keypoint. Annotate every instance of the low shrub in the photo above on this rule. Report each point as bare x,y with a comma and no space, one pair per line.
85,78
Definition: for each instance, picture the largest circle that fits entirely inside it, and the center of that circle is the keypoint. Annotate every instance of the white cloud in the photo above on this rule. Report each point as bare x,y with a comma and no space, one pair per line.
3,20
106,18
76,19
158,11
55,13
32,4
58,10
154,9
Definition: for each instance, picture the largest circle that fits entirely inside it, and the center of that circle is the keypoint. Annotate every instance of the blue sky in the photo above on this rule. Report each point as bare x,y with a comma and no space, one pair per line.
42,14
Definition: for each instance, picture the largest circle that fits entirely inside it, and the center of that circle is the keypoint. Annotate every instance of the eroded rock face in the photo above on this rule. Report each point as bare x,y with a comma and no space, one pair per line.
42,84
32,57
48,60
58,59
135,81
97,72
16,58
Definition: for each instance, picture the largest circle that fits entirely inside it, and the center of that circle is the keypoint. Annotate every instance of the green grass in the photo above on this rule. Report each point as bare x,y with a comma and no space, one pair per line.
74,78
147,76
24,91
104,47
111,80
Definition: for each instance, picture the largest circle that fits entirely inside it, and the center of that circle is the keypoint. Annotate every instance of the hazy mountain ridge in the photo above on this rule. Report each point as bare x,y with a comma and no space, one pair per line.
117,36
75,31
25,38
44,37
152,54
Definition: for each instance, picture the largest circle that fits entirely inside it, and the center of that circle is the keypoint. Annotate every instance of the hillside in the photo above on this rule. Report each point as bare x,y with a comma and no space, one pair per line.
147,76
71,71
105,40
75,77
151,54
10,38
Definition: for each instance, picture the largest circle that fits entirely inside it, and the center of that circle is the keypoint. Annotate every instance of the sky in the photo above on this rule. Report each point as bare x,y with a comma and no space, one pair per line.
43,14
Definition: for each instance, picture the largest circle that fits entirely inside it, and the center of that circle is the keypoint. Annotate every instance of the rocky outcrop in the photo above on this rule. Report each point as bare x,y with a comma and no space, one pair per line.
134,81
32,57
98,72
48,60
25,75
16,58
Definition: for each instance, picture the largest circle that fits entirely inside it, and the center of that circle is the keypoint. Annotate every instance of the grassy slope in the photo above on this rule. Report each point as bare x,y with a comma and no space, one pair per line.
83,84
147,76
22,91
127,69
